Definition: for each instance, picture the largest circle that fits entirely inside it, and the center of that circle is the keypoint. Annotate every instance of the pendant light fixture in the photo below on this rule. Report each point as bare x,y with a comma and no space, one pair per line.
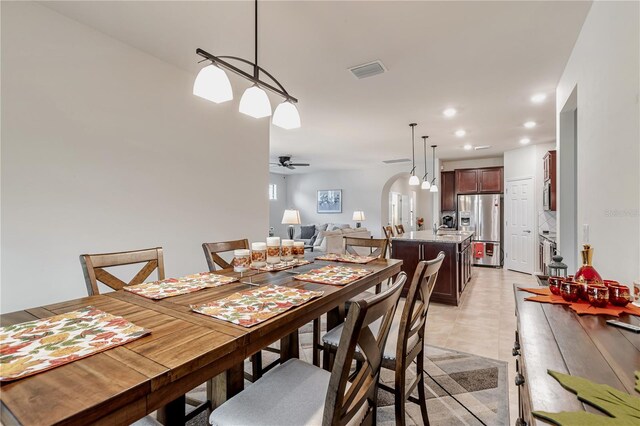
434,187
413,180
213,84
425,180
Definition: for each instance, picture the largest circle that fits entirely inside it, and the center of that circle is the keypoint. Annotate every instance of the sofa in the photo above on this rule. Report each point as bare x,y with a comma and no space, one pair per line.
328,237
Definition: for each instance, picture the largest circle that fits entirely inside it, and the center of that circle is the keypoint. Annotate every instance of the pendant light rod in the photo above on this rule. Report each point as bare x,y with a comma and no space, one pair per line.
256,69
434,163
413,147
424,138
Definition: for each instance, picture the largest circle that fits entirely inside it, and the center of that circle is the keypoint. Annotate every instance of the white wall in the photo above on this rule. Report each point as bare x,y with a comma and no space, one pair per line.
104,148
277,207
361,190
523,163
604,68
450,165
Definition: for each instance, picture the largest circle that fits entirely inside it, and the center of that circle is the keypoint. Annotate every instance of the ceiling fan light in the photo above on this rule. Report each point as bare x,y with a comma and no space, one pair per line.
255,103
414,181
213,85
426,184
286,116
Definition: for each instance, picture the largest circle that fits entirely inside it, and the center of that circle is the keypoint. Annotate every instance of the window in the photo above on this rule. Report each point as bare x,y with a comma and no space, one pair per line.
273,191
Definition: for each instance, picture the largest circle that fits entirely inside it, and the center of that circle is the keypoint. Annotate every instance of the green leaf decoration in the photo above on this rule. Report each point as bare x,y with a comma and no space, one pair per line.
623,409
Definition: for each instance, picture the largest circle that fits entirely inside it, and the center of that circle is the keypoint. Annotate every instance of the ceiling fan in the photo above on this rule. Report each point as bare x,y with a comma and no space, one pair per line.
285,161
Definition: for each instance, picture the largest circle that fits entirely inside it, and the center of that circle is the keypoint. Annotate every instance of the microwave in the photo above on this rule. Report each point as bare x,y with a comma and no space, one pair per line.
546,196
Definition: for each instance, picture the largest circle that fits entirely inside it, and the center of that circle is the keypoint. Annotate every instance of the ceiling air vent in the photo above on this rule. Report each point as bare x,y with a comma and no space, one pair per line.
399,160
368,70
478,148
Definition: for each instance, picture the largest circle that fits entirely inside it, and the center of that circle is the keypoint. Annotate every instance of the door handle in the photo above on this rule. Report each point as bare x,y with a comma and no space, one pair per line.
527,231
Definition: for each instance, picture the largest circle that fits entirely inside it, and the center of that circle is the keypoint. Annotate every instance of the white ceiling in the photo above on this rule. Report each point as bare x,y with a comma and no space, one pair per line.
485,59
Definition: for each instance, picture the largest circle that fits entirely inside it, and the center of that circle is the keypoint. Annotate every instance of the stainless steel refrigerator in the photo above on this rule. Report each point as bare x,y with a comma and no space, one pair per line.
482,214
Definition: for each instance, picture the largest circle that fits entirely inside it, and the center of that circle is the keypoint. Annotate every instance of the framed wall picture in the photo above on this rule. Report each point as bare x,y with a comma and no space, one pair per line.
330,201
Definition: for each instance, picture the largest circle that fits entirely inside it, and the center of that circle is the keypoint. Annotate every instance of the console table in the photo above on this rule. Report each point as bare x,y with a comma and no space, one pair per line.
552,337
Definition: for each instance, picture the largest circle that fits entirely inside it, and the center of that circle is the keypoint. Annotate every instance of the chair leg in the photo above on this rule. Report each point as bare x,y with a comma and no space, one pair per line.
422,396
316,342
327,359
399,394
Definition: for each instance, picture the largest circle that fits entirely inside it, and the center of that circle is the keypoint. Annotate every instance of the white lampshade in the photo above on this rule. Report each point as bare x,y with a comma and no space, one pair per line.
434,188
255,103
358,216
291,217
286,116
414,181
213,84
426,184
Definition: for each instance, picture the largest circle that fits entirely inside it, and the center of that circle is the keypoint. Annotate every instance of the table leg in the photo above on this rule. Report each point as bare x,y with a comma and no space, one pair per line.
173,413
289,347
226,385
335,317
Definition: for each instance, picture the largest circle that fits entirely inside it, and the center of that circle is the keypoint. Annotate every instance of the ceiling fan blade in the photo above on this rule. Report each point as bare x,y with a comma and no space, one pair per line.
300,164
290,167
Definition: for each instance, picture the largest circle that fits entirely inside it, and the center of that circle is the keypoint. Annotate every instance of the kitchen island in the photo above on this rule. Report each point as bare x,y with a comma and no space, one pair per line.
456,268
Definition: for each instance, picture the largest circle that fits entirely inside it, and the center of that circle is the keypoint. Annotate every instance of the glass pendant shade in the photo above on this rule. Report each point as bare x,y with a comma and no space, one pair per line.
286,116
426,184
213,84
434,188
414,181
255,103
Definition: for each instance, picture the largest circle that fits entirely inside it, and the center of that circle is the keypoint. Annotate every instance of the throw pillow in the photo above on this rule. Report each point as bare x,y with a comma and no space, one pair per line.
318,234
307,232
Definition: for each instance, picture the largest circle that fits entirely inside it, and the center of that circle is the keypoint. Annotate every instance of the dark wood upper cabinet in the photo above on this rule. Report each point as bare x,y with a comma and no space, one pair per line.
466,181
550,181
448,191
490,180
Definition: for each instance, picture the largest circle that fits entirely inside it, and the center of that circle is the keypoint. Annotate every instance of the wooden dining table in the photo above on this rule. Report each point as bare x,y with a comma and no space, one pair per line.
184,350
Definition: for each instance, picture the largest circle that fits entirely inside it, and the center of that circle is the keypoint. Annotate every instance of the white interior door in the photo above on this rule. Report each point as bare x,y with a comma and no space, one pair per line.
406,213
519,207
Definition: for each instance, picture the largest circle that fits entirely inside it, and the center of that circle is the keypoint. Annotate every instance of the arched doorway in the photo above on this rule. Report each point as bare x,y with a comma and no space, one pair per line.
403,204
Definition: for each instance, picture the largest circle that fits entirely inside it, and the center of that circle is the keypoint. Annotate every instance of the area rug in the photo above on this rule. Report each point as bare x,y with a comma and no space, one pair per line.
461,389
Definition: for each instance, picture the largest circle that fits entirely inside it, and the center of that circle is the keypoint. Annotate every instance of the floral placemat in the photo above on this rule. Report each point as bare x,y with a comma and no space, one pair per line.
346,258
35,346
250,307
335,275
580,307
281,266
177,286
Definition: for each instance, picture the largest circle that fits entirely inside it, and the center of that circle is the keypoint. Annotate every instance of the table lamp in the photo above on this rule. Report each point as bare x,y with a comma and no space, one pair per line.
358,216
291,217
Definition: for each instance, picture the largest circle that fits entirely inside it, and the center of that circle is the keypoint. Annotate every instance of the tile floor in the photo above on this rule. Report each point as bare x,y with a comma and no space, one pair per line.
484,323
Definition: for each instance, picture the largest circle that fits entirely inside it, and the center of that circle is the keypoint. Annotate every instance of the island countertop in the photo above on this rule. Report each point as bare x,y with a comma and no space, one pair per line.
429,236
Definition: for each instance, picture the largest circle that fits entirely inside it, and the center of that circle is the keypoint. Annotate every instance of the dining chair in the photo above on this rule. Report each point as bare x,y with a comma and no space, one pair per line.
406,340
388,232
400,229
378,248
298,393
93,267
212,253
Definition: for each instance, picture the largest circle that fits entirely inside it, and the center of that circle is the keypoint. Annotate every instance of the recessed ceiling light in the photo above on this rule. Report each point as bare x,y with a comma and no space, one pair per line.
538,97
468,147
449,112
525,141
460,133
530,124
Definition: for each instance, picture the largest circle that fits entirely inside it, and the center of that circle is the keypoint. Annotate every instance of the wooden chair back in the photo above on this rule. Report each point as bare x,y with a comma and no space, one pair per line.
212,250
388,232
414,314
378,246
343,403
400,229
93,267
